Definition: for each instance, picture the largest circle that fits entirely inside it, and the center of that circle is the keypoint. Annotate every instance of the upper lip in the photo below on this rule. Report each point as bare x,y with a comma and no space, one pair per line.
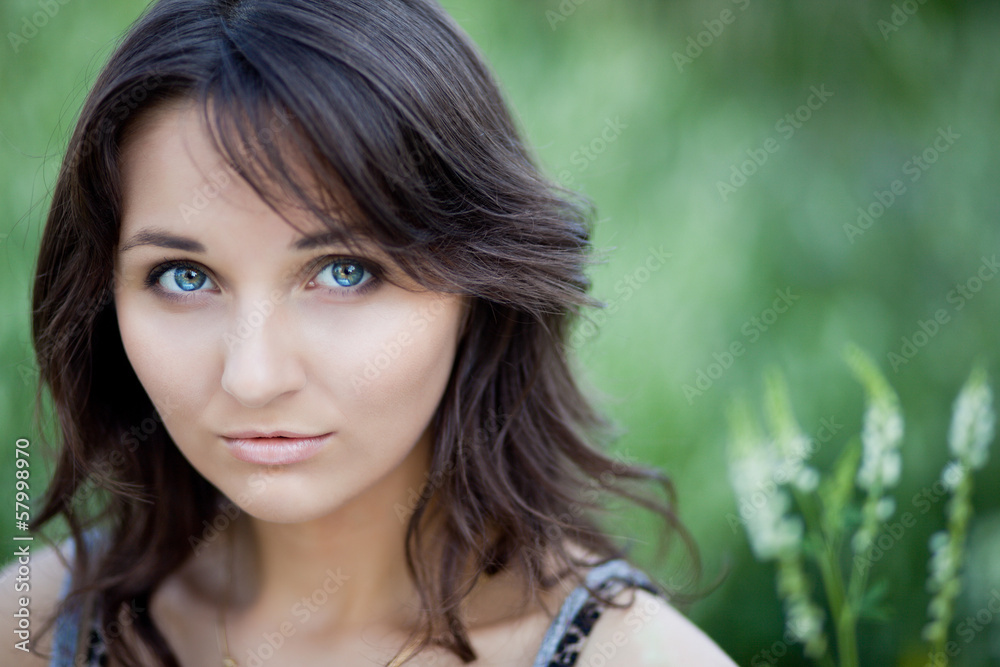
269,434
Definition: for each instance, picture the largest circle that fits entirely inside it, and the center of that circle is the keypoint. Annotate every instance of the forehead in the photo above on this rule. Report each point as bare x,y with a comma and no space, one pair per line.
175,180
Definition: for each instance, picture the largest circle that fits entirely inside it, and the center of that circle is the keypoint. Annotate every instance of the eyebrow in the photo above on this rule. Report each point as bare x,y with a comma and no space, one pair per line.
162,239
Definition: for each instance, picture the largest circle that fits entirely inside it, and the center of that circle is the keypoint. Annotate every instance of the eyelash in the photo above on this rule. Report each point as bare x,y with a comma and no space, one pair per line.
373,269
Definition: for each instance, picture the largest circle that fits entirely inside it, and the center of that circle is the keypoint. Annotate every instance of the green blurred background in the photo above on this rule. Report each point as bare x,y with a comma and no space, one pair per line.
646,107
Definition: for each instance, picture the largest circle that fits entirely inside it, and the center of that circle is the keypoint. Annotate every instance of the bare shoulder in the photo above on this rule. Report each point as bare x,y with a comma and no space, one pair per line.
649,633
31,584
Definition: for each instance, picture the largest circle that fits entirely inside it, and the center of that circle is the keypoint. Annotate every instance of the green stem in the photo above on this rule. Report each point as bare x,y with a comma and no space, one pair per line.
833,582
847,641
848,621
957,526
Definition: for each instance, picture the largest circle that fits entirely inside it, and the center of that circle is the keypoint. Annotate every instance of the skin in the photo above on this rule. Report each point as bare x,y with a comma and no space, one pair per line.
306,367
292,370
313,571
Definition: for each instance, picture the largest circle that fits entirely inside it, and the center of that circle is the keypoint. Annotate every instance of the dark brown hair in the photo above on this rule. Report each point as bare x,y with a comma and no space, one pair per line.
390,107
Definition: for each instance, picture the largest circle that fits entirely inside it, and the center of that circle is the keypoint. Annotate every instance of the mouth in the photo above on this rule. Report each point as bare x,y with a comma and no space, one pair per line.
274,450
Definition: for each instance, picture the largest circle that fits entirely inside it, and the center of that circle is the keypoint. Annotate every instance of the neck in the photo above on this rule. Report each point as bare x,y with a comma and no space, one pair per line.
343,570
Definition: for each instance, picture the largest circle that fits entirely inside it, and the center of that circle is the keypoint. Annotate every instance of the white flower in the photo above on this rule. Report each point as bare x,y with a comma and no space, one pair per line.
805,620
862,539
942,563
938,540
886,506
771,538
770,530
881,437
972,422
795,447
952,474
807,480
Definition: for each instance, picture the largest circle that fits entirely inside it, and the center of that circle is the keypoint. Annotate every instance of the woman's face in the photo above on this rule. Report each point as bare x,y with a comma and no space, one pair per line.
235,322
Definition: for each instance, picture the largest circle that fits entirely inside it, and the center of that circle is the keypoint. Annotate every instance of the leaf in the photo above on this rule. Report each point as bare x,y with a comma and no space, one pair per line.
869,375
778,407
836,492
744,431
872,605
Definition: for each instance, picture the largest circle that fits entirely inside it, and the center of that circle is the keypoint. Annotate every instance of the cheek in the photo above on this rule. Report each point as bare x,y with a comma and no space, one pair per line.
171,356
395,361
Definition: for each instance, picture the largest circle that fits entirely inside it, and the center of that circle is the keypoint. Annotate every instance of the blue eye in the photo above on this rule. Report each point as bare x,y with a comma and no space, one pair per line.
345,276
183,278
344,273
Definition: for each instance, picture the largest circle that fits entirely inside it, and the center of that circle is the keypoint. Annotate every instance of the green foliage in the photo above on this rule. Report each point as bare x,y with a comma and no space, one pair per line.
874,468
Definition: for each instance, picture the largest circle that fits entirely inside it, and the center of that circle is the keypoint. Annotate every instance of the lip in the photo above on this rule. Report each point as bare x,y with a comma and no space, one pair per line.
275,450
239,435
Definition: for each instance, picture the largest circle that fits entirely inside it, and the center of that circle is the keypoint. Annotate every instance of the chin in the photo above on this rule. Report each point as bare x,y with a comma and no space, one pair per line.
277,495
280,512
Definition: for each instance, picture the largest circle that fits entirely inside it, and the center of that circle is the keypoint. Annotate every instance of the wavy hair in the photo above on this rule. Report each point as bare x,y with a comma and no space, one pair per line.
392,110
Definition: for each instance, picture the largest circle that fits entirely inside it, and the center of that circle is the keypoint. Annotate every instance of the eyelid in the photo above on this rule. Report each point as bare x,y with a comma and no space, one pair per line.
375,271
324,261
157,272
311,268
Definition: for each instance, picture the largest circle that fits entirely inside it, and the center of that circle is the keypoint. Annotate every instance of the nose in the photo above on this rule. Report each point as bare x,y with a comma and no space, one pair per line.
262,361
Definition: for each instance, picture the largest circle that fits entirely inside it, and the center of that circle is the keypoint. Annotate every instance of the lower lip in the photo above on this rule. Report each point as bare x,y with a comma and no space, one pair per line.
275,451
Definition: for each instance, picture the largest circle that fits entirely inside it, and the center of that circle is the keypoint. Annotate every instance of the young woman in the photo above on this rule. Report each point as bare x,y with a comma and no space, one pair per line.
302,304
